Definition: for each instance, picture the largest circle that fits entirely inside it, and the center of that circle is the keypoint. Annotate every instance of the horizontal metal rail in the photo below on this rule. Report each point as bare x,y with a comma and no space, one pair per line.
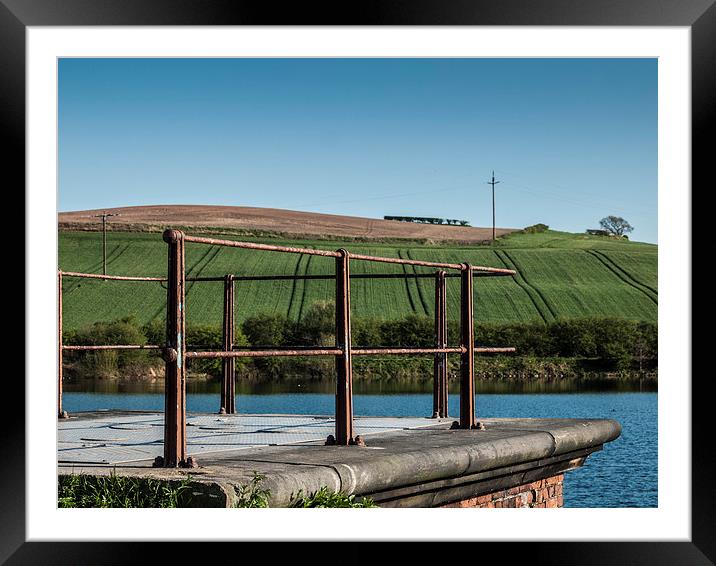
493,270
109,277
361,257
339,351
410,351
253,246
292,351
266,353
115,347
331,277
405,351
480,273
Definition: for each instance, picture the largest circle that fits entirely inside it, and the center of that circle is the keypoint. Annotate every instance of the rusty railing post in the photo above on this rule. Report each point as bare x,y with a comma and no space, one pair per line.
60,413
228,373
175,356
440,380
467,360
344,364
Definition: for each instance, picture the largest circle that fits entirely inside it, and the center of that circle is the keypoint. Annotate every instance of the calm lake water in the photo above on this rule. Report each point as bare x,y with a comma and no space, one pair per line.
623,474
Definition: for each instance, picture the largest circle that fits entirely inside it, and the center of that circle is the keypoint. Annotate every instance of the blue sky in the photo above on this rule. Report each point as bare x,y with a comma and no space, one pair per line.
570,140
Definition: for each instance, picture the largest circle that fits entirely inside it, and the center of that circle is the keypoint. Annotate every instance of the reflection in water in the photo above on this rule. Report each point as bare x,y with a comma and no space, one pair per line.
200,386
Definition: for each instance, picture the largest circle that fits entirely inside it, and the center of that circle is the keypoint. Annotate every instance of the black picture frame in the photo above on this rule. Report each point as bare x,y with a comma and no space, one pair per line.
699,15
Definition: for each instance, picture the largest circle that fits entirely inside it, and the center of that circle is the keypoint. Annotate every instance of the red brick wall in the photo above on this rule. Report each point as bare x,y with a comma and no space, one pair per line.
542,493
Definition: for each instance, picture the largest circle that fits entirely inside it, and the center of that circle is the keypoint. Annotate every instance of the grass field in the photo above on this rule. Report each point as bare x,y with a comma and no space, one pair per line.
561,275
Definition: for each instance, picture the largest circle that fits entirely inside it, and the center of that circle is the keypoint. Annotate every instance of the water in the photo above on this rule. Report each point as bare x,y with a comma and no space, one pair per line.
623,474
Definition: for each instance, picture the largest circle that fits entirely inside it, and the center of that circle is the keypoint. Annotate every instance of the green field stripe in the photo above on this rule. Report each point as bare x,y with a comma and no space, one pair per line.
560,279
537,290
304,289
419,287
192,268
119,253
407,285
623,275
206,259
293,302
540,304
629,271
75,282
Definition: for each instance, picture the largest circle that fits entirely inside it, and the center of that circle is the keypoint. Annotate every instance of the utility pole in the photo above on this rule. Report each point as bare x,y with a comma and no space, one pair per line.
493,183
104,217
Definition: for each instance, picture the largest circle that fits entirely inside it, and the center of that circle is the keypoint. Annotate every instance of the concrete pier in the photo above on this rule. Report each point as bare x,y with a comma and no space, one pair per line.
407,462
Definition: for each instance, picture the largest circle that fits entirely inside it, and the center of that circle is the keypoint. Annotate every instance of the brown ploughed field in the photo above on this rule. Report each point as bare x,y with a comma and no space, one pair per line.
260,220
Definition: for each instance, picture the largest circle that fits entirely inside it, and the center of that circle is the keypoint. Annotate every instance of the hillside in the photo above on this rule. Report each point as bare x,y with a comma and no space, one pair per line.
561,275
262,221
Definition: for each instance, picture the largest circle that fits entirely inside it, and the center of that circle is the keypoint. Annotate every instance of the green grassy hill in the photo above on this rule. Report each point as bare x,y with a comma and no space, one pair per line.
561,275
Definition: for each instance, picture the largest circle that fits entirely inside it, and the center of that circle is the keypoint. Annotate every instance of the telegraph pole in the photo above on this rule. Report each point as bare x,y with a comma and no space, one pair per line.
493,183
104,217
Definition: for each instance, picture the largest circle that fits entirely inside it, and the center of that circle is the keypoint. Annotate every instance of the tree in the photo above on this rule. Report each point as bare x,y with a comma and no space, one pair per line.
616,225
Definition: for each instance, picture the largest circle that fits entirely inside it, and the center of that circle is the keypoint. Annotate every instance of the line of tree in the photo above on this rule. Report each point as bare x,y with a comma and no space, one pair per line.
428,220
564,347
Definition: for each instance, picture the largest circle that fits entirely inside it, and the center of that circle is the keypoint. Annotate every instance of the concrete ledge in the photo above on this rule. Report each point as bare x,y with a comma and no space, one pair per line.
410,468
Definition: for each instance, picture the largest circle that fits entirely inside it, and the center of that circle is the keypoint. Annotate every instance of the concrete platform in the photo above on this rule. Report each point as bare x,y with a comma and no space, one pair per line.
408,462
121,437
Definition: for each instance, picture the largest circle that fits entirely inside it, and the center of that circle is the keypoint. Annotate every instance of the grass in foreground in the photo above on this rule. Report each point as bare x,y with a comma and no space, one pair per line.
118,491
324,497
129,492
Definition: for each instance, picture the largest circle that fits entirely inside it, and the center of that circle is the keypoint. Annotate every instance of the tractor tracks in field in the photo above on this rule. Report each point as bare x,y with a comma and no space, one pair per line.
198,268
421,295
76,283
305,287
294,288
406,280
535,295
626,277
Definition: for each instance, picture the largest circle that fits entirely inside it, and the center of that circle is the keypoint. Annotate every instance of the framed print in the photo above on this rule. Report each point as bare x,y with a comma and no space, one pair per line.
44,42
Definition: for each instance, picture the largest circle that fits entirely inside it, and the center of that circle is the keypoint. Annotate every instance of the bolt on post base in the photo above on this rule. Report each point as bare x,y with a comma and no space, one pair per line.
477,426
190,462
357,441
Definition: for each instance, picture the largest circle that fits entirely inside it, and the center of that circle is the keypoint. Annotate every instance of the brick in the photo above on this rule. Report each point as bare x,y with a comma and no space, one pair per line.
498,495
553,480
536,484
558,489
483,499
552,503
516,490
539,505
550,491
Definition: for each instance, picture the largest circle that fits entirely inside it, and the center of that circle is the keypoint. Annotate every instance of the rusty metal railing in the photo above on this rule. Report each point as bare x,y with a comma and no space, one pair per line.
175,351
175,423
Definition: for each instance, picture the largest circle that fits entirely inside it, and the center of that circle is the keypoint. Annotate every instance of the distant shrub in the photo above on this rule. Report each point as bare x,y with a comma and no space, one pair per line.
207,337
317,326
536,229
263,330
107,364
267,330
413,330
